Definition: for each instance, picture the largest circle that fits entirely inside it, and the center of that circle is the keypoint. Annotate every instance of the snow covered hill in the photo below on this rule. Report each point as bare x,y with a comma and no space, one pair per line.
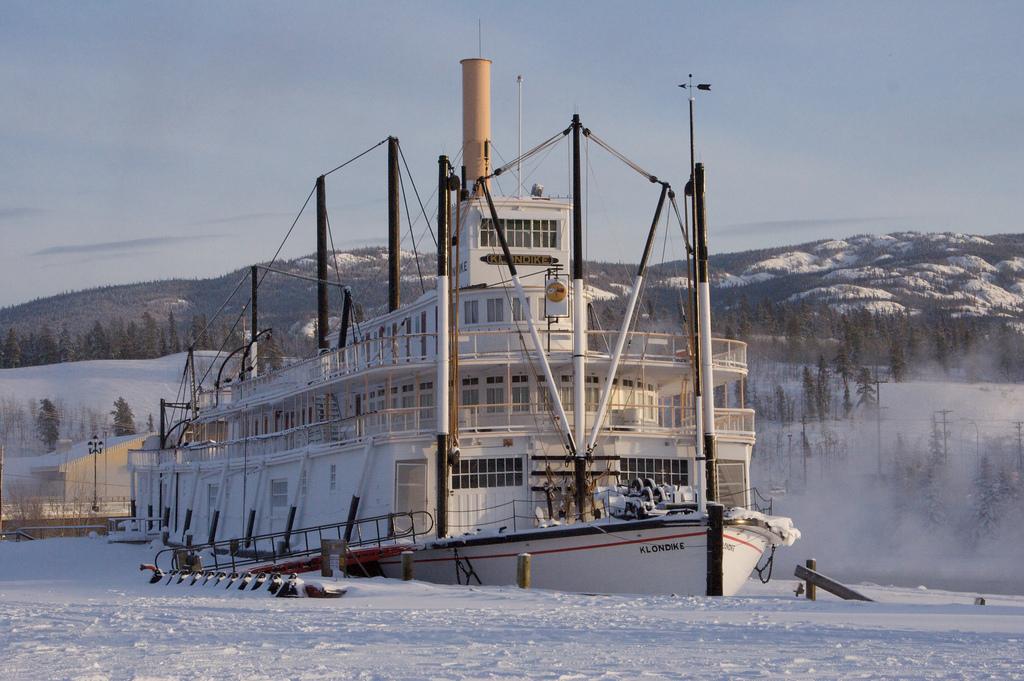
905,271
85,391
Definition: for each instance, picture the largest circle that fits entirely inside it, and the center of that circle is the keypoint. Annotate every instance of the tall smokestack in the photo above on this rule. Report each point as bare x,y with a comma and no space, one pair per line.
476,118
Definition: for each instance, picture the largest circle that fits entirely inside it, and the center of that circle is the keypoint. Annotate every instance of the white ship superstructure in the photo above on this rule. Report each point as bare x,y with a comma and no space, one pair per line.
363,430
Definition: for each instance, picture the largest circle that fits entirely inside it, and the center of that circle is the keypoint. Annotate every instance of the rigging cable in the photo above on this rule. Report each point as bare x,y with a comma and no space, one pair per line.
417,193
537,149
619,155
412,234
356,157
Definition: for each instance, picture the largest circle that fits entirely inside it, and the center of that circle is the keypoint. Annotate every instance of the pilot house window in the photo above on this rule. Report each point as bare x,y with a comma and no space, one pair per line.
521,233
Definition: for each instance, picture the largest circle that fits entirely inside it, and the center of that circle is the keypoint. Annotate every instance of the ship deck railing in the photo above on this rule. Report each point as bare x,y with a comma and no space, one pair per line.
510,418
273,547
492,344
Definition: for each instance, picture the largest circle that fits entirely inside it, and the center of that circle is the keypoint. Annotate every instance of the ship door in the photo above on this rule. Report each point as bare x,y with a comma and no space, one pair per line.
487,493
410,491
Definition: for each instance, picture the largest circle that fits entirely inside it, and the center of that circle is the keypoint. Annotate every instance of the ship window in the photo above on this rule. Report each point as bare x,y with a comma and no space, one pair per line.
303,486
520,392
334,477
495,310
521,233
495,393
427,394
732,483
471,312
408,396
470,392
517,309
278,494
492,472
662,471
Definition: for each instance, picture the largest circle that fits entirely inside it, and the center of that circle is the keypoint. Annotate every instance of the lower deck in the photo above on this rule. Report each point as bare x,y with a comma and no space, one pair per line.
496,480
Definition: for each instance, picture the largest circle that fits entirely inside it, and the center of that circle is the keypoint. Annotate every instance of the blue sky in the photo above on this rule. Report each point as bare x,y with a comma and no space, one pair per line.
142,141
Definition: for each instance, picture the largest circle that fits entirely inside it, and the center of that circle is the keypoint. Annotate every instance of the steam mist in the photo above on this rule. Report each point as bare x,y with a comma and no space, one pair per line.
941,506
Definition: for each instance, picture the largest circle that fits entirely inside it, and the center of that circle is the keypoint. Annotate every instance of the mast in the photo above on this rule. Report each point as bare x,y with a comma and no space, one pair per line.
441,384
695,326
704,337
321,264
579,324
254,364
519,144
394,228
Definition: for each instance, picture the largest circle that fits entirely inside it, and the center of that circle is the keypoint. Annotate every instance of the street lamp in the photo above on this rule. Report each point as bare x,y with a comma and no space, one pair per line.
95,449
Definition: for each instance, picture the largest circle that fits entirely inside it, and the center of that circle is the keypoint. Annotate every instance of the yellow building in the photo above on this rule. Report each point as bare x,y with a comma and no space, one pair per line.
74,479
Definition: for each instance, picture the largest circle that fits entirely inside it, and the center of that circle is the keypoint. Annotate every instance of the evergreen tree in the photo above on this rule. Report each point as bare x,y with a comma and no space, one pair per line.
124,419
865,388
823,390
12,350
781,412
67,350
847,403
46,347
810,394
897,362
149,424
842,363
934,495
98,343
173,342
985,498
199,334
48,423
149,339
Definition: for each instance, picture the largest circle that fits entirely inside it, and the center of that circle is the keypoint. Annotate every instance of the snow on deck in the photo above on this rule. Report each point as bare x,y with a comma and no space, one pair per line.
79,609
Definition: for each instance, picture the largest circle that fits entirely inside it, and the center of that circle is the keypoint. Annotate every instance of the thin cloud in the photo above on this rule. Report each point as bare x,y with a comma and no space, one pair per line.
128,245
15,212
245,217
802,224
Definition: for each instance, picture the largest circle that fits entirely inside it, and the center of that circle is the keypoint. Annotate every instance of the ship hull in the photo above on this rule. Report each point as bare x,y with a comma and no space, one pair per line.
655,556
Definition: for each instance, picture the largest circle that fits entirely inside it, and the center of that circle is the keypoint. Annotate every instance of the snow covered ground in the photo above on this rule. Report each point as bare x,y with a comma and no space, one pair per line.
79,609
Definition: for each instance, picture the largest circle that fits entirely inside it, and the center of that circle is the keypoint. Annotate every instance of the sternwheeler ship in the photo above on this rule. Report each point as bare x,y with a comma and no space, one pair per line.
485,419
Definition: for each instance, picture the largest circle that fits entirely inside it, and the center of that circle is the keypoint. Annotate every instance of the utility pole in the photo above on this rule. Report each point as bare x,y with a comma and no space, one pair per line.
2,485
1020,450
878,417
945,433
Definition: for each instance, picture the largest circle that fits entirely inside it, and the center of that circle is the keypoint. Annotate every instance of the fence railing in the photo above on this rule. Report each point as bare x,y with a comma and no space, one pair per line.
493,344
504,417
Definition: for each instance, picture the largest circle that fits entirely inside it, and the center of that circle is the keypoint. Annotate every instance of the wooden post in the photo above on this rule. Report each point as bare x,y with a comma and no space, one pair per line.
812,590
523,570
325,560
830,585
716,524
406,565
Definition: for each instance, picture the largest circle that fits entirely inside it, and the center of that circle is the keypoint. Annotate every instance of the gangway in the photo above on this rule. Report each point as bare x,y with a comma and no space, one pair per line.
375,535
